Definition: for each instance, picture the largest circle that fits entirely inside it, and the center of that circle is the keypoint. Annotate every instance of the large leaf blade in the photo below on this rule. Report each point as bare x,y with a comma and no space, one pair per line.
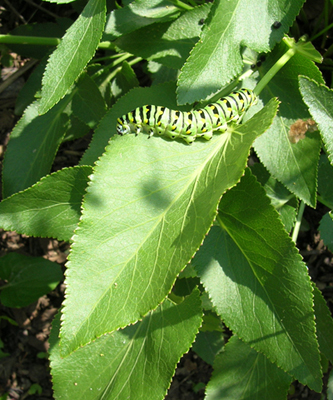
32,147
50,208
73,53
168,43
295,164
127,362
147,209
259,284
319,99
242,373
216,58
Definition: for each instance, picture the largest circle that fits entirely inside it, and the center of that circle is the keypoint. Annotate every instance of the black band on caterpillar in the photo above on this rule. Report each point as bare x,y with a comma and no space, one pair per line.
188,125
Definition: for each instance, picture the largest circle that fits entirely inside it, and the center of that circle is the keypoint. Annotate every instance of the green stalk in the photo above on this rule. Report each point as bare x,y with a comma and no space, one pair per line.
42,41
119,60
181,5
114,72
321,32
298,221
14,39
274,70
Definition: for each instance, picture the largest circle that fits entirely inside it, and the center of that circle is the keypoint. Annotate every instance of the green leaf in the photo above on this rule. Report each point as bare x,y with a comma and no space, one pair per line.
161,74
258,283
207,344
28,278
325,181
319,99
216,58
242,373
324,324
281,198
73,53
136,15
326,230
136,362
76,128
168,43
293,164
147,209
50,208
124,81
32,147
30,91
88,104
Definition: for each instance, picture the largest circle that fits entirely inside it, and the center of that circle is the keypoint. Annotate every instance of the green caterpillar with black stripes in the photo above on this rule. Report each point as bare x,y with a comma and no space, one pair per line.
188,125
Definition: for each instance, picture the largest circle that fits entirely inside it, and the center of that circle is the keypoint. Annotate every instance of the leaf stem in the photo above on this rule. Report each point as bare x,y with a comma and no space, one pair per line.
274,70
181,5
298,221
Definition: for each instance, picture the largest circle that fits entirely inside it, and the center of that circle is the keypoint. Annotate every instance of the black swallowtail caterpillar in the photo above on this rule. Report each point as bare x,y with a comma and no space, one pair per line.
188,125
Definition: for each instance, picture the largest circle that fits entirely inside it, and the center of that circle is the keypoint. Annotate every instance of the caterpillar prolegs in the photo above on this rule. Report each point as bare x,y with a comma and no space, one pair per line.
188,125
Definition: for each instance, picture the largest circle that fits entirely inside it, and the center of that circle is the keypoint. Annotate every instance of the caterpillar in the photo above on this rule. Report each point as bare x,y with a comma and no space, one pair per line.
188,125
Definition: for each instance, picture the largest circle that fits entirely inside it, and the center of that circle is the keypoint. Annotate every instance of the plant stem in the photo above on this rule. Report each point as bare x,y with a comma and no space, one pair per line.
111,65
42,41
274,70
182,5
15,39
321,32
298,221
106,45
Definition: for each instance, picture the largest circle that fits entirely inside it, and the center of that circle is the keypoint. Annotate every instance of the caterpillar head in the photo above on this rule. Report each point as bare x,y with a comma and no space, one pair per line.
122,127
